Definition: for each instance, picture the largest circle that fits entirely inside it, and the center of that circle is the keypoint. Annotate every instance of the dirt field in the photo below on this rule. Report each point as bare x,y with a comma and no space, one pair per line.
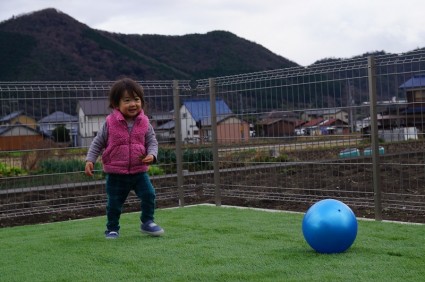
402,184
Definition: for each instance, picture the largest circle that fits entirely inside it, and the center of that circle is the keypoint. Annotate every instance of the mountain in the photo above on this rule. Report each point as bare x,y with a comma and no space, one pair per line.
49,45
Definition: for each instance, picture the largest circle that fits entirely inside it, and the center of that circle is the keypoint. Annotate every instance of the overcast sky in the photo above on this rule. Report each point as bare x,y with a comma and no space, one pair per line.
302,31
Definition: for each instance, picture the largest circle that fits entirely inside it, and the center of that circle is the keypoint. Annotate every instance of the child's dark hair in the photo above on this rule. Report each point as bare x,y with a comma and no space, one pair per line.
120,87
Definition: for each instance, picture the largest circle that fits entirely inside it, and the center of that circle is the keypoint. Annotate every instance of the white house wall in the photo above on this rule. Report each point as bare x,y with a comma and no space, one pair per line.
89,125
188,125
19,131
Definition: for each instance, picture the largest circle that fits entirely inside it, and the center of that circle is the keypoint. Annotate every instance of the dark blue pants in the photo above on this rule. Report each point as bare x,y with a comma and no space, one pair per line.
118,186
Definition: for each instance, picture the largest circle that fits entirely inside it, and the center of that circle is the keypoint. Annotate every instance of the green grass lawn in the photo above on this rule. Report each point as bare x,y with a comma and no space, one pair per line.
207,243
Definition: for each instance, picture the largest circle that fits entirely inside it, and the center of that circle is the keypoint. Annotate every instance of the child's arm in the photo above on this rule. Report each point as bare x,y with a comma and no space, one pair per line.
96,147
151,144
148,159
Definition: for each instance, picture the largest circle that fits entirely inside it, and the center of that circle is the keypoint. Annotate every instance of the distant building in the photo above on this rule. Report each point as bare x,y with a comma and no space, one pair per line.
91,116
18,117
19,132
56,119
334,126
19,137
277,124
312,127
333,113
414,88
158,119
413,113
197,126
163,124
166,132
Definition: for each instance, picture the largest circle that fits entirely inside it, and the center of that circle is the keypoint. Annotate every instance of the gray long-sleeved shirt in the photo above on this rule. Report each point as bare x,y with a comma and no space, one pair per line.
100,141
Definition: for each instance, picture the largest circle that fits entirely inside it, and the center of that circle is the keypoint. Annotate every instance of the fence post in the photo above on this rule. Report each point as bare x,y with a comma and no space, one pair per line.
374,137
178,138
217,188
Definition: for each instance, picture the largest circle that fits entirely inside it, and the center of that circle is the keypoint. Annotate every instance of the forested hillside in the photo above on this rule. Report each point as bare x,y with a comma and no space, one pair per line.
49,45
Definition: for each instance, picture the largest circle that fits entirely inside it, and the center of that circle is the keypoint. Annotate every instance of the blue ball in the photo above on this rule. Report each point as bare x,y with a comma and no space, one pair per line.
329,226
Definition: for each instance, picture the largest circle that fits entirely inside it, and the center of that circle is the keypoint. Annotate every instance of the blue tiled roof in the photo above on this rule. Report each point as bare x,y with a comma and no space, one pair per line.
414,110
200,109
11,116
415,81
57,117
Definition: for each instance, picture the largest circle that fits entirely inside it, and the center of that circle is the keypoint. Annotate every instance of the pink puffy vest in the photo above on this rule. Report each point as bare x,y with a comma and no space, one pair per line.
124,148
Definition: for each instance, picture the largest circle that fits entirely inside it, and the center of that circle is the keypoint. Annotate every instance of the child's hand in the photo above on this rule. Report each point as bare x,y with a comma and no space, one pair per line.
89,168
147,159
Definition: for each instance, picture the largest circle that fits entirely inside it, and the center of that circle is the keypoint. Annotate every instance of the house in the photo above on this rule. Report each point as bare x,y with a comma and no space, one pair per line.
18,117
197,127
333,113
91,116
412,114
163,124
414,89
19,132
333,126
277,124
19,137
56,119
166,132
158,119
402,119
312,127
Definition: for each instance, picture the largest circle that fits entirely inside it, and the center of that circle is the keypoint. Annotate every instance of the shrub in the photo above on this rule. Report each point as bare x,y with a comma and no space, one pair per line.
61,134
193,159
61,166
197,159
7,171
155,170
166,156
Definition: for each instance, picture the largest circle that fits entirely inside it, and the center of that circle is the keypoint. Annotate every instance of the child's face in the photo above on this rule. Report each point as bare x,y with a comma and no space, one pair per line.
130,106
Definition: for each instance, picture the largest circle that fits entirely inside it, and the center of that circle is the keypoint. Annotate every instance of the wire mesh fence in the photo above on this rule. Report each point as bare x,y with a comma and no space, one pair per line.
350,130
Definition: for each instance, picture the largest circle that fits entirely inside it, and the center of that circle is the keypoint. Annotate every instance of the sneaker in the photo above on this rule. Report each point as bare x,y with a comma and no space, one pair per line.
151,228
111,234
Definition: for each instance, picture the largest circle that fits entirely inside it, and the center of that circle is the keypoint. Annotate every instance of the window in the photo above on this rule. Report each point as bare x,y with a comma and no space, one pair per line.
419,96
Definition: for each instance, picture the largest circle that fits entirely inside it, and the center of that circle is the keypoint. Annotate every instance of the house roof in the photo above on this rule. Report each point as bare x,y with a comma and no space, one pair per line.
98,107
58,117
201,110
414,110
414,81
278,115
207,121
328,122
332,121
161,116
323,111
313,122
166,126
10,116
269,121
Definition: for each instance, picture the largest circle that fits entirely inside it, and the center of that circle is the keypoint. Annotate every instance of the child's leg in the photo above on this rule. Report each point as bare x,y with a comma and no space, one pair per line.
117,190
146,193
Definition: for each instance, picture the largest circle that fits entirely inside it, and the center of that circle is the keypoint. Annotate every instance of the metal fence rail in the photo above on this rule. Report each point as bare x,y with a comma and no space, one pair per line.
292,136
